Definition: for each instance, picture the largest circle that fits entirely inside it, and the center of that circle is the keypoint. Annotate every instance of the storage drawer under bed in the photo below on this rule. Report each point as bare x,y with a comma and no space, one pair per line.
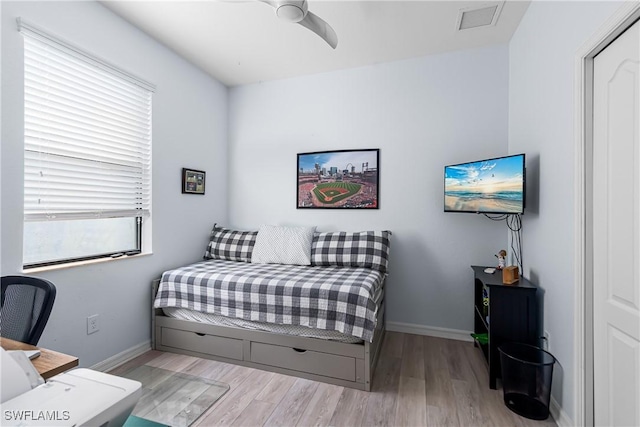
202,343
315,362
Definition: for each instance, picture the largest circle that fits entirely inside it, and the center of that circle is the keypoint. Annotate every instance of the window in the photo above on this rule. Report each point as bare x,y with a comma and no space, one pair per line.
87,154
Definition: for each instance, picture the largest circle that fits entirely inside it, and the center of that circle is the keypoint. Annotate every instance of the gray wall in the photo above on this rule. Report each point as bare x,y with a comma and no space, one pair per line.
541,123
423,114
189,130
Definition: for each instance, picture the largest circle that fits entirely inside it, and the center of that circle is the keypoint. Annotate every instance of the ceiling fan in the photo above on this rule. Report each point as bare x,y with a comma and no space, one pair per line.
297,11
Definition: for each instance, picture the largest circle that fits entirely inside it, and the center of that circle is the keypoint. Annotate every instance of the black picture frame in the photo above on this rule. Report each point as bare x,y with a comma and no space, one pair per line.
338,179
193,181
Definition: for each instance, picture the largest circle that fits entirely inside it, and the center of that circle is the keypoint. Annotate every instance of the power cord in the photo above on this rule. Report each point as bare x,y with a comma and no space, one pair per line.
514,223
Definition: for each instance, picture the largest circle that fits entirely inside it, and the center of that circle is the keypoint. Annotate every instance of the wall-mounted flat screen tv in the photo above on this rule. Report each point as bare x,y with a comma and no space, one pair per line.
495,186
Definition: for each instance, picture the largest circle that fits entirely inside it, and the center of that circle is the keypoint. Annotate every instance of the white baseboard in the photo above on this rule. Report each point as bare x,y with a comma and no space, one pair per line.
558,414
430,331
122,357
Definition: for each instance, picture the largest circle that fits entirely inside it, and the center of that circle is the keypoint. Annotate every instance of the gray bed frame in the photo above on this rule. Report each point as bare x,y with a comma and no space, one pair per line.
347,365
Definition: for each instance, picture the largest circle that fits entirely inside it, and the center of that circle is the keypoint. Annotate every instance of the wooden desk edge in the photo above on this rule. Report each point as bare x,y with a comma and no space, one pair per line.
49,363
60,369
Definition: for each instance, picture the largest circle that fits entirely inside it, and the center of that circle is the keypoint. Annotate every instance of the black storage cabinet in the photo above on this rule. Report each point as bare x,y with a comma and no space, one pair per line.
512,315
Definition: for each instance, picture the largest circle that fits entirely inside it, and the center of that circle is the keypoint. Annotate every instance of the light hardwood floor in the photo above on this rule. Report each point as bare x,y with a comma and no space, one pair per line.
419,381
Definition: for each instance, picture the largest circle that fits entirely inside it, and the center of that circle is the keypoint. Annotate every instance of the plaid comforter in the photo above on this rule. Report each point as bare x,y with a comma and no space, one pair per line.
332,298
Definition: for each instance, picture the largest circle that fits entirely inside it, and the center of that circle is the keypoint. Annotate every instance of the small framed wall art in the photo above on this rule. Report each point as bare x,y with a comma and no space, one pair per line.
193,181
342,179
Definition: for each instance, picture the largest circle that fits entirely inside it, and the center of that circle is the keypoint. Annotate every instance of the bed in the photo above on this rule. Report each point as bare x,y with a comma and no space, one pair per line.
323,320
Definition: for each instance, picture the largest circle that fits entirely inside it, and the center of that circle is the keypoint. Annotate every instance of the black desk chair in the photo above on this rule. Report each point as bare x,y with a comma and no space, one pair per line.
25,307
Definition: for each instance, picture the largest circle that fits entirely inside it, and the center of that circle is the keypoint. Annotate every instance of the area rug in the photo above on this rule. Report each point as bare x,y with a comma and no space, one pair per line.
134,421
171,398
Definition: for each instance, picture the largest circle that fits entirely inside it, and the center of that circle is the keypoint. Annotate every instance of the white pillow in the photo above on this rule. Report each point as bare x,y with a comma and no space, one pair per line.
283,245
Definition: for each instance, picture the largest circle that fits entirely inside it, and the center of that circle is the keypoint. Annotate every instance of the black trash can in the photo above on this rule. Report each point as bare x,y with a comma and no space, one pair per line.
526,379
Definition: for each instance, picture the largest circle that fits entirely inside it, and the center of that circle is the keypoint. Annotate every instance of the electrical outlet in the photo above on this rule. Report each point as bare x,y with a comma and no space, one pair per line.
92,324
546,342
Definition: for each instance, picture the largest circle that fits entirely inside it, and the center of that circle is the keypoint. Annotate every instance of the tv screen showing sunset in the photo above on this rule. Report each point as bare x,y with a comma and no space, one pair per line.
489,186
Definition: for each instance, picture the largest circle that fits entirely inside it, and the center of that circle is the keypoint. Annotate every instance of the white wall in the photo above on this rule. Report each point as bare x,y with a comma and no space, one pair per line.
189,130
423,114
541,123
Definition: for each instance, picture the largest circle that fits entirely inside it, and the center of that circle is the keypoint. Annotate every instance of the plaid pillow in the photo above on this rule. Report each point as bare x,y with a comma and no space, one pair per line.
368,249
231,245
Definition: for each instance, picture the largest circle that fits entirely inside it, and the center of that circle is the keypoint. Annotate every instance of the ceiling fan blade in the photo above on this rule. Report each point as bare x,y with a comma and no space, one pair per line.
271,3
321,28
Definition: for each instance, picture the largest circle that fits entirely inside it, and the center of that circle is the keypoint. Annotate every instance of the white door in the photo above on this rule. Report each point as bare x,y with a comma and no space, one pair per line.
616,231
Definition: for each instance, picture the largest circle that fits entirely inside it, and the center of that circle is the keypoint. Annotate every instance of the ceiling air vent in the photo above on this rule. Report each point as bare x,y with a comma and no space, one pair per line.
479,16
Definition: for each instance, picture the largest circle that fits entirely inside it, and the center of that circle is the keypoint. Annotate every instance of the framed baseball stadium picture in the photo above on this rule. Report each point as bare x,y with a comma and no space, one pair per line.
343,179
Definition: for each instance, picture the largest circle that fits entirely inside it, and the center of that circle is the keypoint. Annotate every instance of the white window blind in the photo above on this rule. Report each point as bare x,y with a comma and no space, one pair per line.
87,135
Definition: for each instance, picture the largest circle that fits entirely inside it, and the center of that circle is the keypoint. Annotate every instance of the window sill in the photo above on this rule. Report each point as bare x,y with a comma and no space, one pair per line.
81,263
